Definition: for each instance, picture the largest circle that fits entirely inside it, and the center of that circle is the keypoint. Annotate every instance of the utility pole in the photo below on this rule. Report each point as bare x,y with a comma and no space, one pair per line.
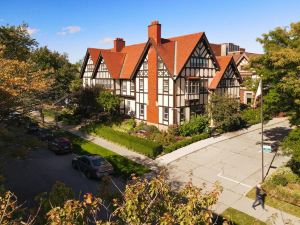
262,132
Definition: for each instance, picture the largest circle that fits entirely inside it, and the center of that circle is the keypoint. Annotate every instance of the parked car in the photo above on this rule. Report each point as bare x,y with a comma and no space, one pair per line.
60,145
32,128
45,134
92,166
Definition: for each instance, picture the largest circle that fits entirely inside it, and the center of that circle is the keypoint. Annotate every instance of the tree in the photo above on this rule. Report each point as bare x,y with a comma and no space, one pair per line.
224,112
21,84
60,70
279,68
18,42
144,201
109,101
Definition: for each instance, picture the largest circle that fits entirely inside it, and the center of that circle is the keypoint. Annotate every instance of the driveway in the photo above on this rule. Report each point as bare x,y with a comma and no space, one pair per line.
235,162
37,173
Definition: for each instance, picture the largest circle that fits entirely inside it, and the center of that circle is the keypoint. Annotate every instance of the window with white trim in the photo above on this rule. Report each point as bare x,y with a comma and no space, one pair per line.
166,113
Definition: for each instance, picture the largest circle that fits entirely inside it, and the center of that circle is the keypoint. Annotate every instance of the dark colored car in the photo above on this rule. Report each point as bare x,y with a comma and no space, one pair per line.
32,128
92,166
60,145
45,134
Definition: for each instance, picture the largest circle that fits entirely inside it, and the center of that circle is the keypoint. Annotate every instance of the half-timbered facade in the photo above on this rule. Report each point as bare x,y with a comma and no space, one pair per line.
164,81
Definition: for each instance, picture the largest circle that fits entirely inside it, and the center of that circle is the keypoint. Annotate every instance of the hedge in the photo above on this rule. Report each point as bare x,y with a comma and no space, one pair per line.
185,142
141,145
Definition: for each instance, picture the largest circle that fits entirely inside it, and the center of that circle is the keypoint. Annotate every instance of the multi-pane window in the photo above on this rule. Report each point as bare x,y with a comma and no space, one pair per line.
141,84
248,98
182,114
166,113
142,109
124,88
166,85
199,62
203,85
131,87
192,87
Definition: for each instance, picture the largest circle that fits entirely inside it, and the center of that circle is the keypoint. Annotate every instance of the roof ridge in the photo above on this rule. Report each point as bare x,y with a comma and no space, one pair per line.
185,35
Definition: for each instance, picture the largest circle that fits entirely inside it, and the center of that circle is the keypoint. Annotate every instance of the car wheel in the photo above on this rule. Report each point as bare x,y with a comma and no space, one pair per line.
74,165
88,174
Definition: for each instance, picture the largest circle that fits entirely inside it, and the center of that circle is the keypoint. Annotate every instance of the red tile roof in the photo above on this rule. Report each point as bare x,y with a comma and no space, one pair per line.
224,62
216,49
132,57
94,53
174,52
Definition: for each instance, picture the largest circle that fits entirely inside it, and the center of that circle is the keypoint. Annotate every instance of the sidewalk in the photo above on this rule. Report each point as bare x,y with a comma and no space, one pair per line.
134,156
179,153
244,204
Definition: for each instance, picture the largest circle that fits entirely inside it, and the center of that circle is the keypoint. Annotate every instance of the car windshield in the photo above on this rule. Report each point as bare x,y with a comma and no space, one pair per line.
98,162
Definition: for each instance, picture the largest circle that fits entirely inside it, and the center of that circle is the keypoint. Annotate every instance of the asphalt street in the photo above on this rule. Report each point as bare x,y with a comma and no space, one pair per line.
41,169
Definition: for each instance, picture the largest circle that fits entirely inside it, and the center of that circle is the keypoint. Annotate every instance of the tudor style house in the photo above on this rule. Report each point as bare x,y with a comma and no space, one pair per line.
241,58
163,81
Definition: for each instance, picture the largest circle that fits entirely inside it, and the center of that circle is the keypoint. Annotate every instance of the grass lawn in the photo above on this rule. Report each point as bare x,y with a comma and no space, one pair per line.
278,204
123,166
236,217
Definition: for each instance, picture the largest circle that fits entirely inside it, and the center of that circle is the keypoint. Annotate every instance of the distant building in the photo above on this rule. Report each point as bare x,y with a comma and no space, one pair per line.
241,58
163,81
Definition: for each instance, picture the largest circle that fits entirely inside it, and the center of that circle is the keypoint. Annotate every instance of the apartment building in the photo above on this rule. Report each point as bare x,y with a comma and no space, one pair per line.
163,81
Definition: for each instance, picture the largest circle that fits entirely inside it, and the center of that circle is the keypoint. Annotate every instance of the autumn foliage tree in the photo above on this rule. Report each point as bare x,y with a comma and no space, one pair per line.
20,83
144,201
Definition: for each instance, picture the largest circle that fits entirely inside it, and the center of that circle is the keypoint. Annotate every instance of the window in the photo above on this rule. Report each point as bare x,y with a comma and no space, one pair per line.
166,85
182,114
193,87
132,86
166,113
124,87
142,84
142,109
248,98
203,85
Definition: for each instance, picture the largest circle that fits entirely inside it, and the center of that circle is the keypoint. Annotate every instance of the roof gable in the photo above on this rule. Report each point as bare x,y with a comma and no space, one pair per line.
224,62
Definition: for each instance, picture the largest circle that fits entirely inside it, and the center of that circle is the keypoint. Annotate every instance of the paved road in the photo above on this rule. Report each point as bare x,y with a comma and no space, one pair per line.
234,162
36,174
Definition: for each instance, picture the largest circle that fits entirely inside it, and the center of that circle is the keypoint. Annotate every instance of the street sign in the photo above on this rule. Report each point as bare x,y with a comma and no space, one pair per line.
267,148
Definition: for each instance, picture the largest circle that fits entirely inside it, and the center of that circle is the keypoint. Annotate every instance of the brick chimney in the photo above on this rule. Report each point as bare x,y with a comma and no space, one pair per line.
119,44
154,31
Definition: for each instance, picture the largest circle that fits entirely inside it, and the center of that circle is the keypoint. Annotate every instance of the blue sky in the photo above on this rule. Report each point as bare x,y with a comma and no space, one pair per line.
73,25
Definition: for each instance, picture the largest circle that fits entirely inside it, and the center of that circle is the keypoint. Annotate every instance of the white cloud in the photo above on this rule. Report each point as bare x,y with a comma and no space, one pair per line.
106,41
69,30
31,30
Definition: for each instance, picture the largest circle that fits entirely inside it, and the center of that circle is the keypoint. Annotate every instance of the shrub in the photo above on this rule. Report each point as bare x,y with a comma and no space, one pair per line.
251,116
164,138
149,128
126,126
282,176
146,147
185,142
196,125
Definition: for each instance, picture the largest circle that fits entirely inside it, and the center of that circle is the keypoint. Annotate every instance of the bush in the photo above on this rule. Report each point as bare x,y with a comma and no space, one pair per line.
283,176
126,126
148,128
185,142
251,116
146,147
196,125
164,138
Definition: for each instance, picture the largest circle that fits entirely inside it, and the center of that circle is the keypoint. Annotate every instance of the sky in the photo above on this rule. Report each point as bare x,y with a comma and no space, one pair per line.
71,26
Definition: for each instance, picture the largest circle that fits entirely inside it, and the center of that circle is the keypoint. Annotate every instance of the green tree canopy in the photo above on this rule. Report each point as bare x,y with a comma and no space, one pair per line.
224,112
18,42
280,69
60,70
109,101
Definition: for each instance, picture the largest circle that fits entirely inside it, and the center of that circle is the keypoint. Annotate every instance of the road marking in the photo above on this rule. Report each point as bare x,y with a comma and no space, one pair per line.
232,180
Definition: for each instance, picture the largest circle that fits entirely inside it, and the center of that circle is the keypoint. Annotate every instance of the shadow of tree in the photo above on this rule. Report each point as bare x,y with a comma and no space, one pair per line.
274,136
